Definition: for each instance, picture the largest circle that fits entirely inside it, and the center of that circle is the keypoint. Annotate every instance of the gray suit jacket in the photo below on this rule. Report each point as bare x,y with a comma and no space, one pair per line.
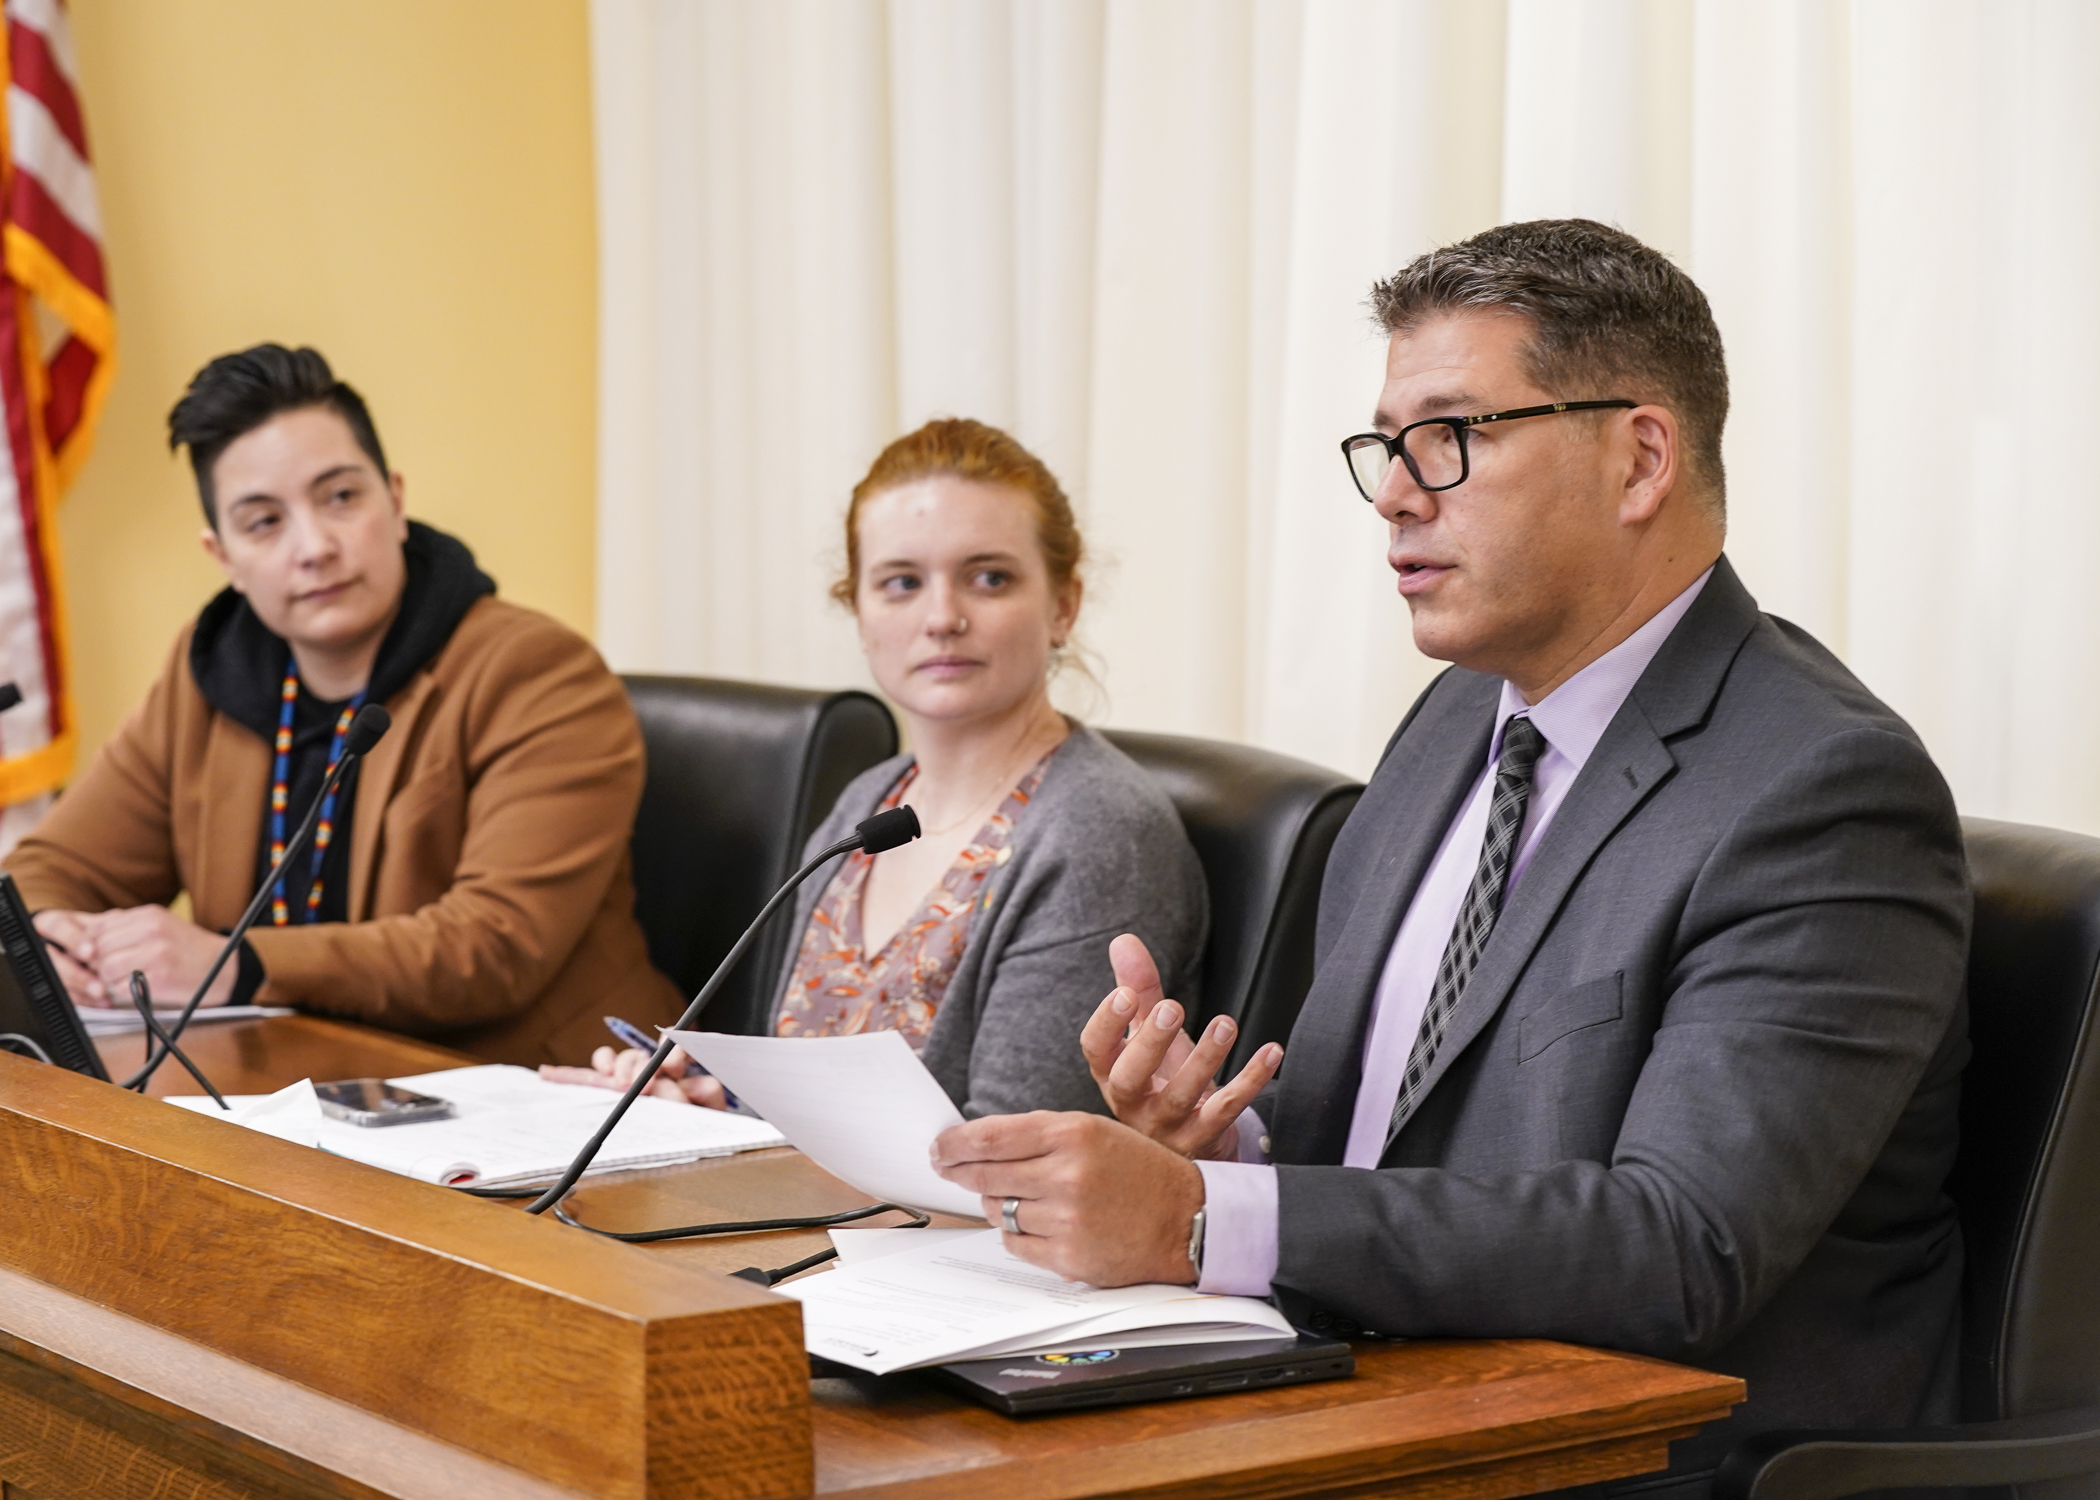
1698,1100
1099,851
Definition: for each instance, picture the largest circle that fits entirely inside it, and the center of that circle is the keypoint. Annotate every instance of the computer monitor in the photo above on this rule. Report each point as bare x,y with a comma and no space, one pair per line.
36,1015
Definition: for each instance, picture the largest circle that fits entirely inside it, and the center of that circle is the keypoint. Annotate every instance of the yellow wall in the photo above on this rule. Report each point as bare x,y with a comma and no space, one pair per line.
404,184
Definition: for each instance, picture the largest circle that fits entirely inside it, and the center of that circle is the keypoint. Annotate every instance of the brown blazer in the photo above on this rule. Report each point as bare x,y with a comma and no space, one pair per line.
491,900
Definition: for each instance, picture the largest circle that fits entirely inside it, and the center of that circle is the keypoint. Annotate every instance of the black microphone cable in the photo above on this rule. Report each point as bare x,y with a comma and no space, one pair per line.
366,730
12,1040
142,1002
886,830
918,1220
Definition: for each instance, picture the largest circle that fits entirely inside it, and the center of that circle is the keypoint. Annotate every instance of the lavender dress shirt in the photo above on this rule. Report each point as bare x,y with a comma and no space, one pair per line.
1239,1255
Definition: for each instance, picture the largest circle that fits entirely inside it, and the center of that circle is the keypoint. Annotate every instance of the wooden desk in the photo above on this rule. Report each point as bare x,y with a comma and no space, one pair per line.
93,1403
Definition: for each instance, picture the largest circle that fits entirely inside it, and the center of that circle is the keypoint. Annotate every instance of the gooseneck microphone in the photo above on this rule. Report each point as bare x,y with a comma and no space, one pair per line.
886,830
366,730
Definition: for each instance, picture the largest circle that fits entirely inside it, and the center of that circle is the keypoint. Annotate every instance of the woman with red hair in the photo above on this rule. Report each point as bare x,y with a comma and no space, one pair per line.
986,941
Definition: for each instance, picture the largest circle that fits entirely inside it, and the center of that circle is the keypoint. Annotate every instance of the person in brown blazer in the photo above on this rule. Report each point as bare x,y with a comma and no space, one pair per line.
472,883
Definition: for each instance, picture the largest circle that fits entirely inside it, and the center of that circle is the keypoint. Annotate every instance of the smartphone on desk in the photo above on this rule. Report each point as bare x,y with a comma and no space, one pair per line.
374,1101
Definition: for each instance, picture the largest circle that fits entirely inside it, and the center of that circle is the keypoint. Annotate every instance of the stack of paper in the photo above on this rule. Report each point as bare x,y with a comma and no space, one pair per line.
513,1127
117,1020
928,1296
865,1109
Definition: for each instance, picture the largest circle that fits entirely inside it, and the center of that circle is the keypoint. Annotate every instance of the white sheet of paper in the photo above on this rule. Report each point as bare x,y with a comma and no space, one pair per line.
857,1246
117,1020
513,1126
953,1298
291,1114
863,1108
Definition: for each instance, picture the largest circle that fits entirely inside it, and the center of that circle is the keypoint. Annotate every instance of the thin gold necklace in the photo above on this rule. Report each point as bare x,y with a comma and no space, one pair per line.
1000,787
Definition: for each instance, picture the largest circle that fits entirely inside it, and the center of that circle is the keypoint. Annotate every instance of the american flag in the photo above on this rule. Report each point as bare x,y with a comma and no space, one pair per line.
57,346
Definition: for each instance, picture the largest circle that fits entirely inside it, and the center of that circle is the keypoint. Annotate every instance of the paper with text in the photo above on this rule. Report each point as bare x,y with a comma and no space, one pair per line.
965,1298
863,1108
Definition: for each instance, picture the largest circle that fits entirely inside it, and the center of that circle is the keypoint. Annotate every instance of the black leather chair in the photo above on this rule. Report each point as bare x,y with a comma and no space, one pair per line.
1262,824
2027,1186
739,775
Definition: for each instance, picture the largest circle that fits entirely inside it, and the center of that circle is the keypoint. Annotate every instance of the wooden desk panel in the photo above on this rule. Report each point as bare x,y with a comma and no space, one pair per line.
585,1361
1457,1419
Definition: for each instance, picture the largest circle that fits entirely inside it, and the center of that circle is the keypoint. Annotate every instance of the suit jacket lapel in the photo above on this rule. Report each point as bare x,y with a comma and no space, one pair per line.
1413,798
1673,695
379,780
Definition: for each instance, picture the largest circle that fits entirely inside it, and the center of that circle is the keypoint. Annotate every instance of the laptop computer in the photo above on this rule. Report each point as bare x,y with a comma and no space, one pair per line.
1107,1376
37,1018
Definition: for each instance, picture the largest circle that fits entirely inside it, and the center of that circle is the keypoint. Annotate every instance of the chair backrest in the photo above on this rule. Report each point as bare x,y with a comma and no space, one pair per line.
740,773
1262,825
2027,1180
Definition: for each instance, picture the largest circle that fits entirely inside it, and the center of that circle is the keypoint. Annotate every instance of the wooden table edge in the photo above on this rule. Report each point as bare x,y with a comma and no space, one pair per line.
1653,1420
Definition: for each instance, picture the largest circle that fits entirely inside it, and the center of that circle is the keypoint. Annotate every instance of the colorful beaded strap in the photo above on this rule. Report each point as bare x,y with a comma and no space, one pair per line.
280,792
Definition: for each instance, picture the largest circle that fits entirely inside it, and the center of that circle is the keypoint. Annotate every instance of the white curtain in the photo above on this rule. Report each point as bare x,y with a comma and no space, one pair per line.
1139,233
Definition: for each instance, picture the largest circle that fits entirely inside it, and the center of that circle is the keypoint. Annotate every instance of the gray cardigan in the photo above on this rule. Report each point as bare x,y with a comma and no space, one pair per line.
1099,851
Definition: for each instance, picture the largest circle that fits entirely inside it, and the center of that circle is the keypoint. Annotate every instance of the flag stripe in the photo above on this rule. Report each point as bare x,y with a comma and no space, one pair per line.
35,72
33,209
22,460
72,368
47,18
41,149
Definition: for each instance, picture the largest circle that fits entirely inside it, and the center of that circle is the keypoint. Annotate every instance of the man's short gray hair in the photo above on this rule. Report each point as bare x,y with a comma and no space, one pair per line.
1611,318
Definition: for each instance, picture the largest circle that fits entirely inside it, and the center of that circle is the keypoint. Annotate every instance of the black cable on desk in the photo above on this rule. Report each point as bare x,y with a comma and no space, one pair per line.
752,1226
745,1226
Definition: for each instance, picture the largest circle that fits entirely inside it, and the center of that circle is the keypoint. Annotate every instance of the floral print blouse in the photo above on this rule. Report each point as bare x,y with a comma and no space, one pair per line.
838,989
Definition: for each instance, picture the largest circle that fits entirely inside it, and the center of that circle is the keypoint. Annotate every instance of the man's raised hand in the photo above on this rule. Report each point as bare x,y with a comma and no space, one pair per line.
1154,1078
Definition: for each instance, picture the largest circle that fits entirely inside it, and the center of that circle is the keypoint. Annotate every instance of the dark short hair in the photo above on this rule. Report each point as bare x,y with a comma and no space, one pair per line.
237,393
1611,317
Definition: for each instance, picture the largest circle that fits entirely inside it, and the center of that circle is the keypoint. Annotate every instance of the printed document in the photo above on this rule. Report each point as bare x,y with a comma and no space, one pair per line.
966,1297
514,1127
863,1108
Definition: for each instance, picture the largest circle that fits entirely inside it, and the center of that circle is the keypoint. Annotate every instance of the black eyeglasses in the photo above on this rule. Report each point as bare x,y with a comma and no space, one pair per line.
1435,450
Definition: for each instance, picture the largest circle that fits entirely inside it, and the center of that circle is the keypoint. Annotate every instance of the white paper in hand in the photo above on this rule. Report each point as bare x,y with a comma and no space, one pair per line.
863,1108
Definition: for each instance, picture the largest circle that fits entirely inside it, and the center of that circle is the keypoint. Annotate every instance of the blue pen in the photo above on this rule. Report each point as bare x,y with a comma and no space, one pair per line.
638,1039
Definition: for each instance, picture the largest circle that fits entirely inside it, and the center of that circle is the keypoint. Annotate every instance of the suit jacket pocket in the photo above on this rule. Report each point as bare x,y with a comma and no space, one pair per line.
1594,1003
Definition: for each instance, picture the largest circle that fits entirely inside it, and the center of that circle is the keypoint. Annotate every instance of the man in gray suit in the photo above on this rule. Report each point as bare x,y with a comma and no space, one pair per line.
1637,1018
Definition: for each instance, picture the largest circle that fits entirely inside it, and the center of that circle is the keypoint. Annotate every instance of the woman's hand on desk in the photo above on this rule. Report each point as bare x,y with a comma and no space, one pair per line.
68,937
676,1079
96,953
1154,1078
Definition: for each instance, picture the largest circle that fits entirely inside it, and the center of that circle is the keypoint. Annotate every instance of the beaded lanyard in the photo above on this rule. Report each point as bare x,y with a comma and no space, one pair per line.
280,912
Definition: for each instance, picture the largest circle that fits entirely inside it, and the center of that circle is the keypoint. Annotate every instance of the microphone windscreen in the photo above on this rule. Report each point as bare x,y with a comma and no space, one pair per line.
367,729
886,830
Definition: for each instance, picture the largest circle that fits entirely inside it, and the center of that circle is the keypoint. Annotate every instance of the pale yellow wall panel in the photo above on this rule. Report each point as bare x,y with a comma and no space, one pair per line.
405,185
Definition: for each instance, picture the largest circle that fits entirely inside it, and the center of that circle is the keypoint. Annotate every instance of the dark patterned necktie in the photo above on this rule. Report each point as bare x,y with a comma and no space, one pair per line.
1522,744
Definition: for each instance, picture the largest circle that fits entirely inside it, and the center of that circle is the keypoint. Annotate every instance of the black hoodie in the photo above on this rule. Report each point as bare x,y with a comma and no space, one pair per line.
239,667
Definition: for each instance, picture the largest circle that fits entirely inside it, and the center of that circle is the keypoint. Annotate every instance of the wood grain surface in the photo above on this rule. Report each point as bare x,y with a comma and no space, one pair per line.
1465,1420
578,1359
1477,1418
